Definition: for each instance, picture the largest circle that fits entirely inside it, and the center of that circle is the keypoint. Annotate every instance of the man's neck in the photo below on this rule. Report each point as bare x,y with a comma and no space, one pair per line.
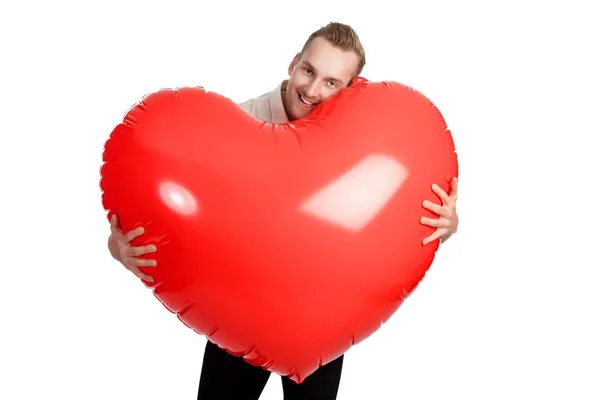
283,94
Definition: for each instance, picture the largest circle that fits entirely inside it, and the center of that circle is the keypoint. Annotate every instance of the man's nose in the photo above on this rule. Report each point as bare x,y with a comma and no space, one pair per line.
312,91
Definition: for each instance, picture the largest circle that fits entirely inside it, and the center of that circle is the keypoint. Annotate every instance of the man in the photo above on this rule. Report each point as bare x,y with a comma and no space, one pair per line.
330,58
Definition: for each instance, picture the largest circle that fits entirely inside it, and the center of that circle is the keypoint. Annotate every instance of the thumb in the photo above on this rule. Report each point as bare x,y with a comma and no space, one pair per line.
114,223
454,187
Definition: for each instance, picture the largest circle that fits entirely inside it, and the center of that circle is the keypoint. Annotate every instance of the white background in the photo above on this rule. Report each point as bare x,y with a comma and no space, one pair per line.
510,306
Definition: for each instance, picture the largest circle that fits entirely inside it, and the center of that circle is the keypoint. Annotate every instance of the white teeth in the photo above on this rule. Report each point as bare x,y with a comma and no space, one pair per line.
308,103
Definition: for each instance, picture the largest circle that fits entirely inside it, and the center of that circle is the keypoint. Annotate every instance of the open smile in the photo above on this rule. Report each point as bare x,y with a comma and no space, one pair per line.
304,102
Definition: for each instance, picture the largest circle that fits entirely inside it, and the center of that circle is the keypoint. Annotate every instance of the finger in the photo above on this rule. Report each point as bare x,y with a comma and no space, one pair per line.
140,274
146,278
454,188
434,236
114,224
132,234
141,250
441,193
436,208
145,262
435,222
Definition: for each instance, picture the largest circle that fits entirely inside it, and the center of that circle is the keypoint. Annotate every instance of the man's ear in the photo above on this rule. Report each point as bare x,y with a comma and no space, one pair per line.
293,64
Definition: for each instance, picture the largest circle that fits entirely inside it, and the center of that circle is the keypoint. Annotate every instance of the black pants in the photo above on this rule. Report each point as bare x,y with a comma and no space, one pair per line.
227,377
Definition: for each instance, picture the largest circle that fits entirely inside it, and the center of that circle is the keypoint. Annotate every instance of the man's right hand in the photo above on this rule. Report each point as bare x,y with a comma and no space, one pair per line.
122,251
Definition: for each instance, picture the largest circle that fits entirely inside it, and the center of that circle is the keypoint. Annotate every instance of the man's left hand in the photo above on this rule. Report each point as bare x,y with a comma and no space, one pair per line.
447,223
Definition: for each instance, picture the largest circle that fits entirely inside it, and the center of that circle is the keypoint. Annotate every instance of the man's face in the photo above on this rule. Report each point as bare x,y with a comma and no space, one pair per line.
322,71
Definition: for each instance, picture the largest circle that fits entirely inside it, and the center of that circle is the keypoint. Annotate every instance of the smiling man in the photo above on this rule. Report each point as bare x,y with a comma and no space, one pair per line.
319,71
330,58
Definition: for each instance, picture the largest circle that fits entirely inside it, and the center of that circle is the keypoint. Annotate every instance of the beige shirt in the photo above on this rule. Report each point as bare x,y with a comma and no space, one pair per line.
268,107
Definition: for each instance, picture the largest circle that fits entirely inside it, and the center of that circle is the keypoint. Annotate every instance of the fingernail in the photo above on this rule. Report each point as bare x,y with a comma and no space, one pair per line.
152,247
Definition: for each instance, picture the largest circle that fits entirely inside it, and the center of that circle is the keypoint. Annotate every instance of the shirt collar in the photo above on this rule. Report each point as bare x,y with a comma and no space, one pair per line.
276,103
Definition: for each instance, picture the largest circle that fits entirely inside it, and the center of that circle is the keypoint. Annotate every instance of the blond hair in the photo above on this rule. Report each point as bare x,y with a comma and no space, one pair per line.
343,37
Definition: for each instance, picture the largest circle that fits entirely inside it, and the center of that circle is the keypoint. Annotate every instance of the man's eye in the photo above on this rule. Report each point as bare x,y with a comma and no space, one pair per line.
308,71
332,84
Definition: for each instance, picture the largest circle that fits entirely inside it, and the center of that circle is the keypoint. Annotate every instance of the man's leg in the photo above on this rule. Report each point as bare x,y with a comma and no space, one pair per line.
323,384
227,377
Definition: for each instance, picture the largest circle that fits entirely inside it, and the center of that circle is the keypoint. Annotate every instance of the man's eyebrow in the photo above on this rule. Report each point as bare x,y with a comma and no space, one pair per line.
309,65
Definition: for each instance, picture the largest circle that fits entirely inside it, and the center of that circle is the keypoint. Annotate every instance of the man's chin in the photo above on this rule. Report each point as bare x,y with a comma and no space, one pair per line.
301,113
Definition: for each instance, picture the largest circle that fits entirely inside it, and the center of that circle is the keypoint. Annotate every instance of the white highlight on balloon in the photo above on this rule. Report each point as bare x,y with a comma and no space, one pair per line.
178,198
356,197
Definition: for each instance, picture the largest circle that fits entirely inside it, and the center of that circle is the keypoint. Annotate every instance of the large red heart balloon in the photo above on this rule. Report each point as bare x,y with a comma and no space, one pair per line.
283,243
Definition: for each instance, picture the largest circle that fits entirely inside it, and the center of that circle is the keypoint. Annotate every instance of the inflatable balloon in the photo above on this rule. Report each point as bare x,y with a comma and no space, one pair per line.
285,244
